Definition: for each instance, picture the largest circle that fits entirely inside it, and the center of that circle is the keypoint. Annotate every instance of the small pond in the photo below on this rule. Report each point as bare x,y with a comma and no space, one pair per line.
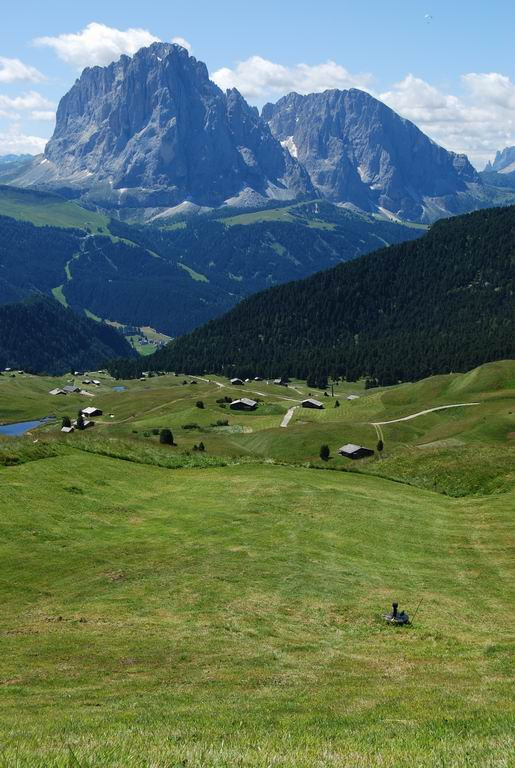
20,428
120,389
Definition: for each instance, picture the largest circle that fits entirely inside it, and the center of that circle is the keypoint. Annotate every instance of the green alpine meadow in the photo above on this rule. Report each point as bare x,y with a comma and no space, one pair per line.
257,385
164,605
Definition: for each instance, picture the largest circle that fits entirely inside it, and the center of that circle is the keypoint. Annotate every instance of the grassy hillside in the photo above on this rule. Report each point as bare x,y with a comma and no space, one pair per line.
442,303
44,209
456,451
232,616
167,606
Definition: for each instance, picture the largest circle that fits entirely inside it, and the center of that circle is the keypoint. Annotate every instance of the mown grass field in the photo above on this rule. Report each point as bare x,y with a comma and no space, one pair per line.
165,607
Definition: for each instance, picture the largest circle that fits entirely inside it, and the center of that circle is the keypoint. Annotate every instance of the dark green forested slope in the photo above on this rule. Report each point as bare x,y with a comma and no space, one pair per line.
42,336
173,280
442,303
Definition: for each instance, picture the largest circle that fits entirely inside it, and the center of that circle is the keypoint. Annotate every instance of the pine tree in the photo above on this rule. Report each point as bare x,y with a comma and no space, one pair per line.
324,452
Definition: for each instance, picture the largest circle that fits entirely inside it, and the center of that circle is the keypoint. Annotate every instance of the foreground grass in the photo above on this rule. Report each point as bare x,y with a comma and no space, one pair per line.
231,617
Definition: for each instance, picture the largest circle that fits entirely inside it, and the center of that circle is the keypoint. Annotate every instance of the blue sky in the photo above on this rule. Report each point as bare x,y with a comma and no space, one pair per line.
448,66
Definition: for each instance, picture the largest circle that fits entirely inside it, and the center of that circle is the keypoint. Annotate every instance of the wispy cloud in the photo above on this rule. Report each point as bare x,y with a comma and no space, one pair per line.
182,41
15,142
12,70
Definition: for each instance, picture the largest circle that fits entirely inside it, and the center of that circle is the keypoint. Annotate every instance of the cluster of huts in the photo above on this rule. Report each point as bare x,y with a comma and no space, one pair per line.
87,416
73,389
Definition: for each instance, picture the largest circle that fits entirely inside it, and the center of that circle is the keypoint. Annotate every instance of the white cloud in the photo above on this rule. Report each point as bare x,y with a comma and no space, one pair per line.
259,79
44,115
97,44
477,123
182,41
30,100
14,69
17,143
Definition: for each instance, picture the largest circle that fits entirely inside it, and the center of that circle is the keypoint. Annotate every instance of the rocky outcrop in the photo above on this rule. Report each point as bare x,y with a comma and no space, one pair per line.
358,151
153,130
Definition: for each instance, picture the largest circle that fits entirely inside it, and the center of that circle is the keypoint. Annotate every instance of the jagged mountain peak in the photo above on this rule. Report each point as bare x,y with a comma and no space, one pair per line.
504,161
358,151
153,131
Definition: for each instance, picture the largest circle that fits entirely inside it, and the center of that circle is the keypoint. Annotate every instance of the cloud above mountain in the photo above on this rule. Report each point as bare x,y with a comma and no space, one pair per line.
259,79
99,45
478,122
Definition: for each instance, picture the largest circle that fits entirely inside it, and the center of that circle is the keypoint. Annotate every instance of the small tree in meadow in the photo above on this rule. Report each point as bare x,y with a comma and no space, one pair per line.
380,446
201,446
66,422
325,452
166,437
200,404
80,421
337,404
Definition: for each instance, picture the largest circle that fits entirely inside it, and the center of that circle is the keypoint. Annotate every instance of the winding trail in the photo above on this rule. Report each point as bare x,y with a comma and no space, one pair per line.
421,413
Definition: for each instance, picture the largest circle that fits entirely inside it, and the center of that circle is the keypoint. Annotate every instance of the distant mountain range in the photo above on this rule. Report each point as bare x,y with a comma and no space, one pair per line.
504,161
444,302
152,136
42,336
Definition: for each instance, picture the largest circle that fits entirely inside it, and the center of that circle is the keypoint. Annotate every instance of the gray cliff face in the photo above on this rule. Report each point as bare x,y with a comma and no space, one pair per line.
359,151
155,128
504,161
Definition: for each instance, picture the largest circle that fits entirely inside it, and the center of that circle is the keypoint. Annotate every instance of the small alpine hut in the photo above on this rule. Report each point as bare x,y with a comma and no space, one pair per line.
57,392
91,411
245,404
312,403
352,451
237,382
71,389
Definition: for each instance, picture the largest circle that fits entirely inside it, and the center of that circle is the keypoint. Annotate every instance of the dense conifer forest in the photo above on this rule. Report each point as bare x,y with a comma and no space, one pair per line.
177,279
442,303
41,336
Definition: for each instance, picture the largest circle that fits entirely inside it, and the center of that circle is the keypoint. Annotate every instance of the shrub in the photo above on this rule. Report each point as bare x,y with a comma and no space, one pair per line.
66,422
155,431
337,404
200,404
324,452
166,437
190,426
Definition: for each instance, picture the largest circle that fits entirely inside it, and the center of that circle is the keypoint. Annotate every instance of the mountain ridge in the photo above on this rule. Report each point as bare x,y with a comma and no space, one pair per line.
153,136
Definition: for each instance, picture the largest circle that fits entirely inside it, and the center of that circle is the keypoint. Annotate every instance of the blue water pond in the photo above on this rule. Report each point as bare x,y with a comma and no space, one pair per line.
14,430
